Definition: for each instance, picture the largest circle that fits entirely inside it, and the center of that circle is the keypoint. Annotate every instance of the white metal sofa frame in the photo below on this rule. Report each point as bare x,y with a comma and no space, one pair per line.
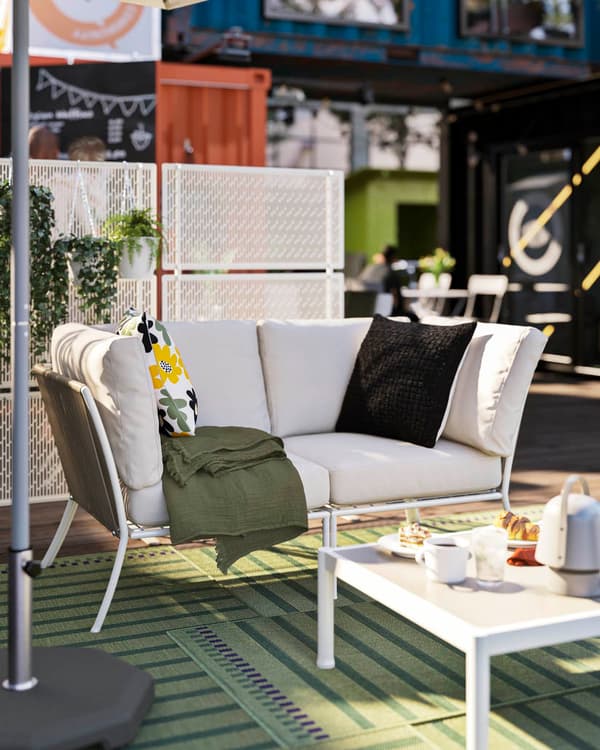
82,441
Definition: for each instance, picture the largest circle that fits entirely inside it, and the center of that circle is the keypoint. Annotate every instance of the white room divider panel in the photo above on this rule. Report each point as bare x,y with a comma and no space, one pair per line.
85,195
88,192
241,243
253,296
228,218
252,242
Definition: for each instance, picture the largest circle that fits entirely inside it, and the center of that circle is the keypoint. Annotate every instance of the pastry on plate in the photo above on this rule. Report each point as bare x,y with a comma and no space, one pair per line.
413,533
518,527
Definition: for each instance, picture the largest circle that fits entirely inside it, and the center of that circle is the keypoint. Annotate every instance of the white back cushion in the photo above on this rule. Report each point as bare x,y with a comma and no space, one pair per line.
115,371
307,366
221,357
492,386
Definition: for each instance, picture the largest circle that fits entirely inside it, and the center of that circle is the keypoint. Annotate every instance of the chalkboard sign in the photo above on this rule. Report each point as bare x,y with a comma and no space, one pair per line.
115,102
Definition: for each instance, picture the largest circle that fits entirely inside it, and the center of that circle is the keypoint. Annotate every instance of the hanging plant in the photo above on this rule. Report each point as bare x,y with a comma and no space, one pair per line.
95,263
139,235
48,277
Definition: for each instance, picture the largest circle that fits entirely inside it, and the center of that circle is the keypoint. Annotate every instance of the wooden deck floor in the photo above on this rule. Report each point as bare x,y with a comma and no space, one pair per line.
560,435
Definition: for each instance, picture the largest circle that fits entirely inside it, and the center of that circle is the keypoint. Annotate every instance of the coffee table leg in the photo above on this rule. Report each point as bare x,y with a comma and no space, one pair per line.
325,607
478,696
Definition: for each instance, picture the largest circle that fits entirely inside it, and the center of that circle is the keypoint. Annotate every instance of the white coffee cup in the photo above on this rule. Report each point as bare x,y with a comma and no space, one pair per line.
444,558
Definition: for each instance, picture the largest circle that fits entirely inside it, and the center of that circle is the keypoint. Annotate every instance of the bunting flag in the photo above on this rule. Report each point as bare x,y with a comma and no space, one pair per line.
126,105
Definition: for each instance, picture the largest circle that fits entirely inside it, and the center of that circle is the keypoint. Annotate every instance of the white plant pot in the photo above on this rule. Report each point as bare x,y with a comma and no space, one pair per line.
143,259
73,267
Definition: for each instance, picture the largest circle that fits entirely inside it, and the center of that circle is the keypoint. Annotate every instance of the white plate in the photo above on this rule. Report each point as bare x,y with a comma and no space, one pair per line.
391,543
520,544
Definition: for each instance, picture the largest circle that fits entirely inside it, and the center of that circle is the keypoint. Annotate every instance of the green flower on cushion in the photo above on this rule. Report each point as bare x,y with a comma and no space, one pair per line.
173,407
161,329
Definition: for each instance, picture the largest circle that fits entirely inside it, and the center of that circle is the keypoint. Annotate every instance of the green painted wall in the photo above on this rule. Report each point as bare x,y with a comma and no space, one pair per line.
372,197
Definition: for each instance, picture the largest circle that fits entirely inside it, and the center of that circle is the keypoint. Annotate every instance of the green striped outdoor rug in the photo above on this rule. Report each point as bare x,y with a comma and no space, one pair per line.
389,673
166,595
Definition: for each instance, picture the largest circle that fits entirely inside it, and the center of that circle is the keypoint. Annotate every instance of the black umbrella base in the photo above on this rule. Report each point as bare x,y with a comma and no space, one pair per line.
84,697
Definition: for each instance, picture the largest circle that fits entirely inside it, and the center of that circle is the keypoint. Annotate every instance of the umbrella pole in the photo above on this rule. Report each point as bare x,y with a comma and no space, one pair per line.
19,636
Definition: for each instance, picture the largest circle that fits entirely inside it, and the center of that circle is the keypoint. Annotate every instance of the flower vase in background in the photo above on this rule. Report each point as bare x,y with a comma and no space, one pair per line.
439,262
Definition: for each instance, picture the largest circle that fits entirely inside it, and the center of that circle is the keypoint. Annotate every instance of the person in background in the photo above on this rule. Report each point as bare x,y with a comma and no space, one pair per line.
43,143
374,276
87,148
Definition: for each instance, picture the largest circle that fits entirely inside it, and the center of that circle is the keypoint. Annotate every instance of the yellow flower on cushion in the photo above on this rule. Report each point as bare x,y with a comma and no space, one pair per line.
166,367
185,372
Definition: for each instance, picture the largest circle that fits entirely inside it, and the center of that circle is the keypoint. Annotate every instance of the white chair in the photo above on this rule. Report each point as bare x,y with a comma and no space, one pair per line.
430,305
486,285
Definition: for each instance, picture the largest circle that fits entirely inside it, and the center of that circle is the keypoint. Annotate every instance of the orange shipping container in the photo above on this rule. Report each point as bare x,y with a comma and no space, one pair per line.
211,115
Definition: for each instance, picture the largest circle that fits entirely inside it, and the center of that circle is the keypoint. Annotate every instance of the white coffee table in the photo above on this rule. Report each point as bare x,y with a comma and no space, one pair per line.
520,614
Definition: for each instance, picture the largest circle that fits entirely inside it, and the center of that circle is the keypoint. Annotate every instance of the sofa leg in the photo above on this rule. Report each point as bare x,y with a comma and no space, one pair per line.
112,585
61,533
412,515
325,530
333,531
507,468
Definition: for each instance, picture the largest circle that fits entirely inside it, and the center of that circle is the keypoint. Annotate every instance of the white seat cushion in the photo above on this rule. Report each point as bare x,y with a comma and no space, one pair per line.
363,468
148,507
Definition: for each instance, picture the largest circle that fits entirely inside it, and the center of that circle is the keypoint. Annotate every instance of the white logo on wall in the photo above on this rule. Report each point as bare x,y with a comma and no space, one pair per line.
87,29
517,228
140,137
90,11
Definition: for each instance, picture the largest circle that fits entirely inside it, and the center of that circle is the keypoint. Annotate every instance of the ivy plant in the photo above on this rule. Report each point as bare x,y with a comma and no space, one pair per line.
48,278
95,261
126,228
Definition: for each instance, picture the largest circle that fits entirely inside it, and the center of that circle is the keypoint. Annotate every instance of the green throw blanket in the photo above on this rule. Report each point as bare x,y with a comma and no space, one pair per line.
235,484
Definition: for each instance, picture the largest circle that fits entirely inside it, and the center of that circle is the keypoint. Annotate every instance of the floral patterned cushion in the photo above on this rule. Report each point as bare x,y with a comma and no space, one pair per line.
175,394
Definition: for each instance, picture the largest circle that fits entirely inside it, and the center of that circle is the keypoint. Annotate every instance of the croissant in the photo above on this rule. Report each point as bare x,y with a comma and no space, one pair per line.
518,527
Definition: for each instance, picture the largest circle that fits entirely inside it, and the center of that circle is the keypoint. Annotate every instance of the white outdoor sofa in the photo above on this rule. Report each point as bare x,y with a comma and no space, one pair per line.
288,378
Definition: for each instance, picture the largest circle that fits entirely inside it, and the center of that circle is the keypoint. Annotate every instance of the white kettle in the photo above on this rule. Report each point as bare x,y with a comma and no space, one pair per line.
569,542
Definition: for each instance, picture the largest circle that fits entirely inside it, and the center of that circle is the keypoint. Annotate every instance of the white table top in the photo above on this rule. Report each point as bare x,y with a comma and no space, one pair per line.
521,602
433,293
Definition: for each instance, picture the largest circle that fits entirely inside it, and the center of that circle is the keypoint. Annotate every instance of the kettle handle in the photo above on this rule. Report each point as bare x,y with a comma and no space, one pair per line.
562,531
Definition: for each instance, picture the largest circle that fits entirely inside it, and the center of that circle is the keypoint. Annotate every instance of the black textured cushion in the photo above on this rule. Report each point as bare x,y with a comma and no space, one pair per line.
402,380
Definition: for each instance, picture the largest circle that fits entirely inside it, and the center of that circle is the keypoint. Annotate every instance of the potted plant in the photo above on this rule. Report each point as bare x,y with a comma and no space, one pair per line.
49,286
439,262
138,234
94,267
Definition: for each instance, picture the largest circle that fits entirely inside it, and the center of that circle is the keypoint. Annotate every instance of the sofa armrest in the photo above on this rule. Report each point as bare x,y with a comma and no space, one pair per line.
492,387
114,370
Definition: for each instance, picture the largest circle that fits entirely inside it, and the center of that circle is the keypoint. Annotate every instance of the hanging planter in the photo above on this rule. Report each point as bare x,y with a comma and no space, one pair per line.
93,268
138,234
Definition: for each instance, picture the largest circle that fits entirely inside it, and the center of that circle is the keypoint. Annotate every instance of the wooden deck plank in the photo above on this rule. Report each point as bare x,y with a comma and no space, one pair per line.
560,435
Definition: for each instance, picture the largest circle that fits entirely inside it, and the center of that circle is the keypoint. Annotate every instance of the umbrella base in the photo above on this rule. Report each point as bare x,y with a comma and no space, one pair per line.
83,697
